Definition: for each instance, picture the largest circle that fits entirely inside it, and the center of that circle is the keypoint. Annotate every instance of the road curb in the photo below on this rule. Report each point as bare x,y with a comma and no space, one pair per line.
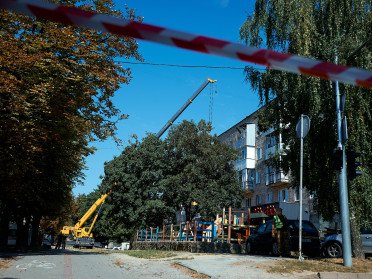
344,275
195,272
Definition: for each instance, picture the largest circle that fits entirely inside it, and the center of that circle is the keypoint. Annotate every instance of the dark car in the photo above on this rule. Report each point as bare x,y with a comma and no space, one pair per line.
332,245
263,242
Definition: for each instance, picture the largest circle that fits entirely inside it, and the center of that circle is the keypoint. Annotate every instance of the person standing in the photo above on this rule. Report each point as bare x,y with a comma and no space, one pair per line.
279,229
64,242
59,241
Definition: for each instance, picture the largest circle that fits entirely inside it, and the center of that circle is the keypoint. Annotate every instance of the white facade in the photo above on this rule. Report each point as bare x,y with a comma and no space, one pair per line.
262,183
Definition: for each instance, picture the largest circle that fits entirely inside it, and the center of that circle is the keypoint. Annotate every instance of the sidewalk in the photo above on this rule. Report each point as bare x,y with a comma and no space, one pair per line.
237,266
252,267
342,275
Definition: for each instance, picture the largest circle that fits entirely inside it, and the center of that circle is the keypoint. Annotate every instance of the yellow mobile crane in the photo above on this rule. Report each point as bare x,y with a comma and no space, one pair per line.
83,236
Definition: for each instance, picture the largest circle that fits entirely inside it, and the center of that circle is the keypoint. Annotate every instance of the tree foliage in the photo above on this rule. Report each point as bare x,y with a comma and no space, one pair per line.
135,174
200,170
328,30
154,179
56,86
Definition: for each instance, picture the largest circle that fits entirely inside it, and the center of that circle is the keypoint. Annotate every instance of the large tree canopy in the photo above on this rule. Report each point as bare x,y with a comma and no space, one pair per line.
329,30
154,179
200,170
56,86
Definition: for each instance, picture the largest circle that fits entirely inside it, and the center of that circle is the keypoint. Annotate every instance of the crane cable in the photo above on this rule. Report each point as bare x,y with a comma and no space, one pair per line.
212,91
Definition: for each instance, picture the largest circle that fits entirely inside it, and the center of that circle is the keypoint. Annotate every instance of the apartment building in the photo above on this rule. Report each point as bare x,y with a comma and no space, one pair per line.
263,185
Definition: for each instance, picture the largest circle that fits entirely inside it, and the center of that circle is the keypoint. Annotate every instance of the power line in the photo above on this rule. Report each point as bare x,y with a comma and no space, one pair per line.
185,66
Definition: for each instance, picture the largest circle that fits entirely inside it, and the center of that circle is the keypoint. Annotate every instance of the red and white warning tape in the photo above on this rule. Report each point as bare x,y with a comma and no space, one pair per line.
272,59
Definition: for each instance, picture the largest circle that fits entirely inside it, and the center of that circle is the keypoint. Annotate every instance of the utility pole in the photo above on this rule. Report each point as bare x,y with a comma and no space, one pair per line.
342,179
342,182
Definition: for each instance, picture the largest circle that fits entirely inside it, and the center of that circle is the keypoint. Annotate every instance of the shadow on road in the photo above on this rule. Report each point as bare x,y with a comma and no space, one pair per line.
11,254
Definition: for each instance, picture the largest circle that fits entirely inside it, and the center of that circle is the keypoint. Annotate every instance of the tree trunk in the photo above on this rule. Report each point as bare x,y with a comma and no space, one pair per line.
4,231
35,237
356,242
22,234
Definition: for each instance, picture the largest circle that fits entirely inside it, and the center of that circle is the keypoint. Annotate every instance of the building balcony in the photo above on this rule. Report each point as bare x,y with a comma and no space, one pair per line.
242,164
277,179
248,188
248,185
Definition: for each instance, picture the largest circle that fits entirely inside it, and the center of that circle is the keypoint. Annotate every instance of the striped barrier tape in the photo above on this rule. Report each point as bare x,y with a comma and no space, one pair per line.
276,60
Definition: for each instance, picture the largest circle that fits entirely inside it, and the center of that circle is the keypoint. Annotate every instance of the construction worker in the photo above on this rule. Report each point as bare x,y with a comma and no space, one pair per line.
279,230
59,241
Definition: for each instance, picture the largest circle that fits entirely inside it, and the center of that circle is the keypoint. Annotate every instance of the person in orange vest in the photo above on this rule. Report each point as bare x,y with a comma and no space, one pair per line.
279,229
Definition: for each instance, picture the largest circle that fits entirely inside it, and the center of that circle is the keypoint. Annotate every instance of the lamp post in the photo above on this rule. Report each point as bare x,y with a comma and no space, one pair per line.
342,184
342,180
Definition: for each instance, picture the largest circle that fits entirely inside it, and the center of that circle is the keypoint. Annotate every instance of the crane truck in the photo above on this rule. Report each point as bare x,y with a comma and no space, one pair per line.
83,236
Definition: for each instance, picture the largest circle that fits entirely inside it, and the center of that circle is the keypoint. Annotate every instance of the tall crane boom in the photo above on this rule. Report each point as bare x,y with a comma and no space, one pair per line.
91,210
188,102
78,231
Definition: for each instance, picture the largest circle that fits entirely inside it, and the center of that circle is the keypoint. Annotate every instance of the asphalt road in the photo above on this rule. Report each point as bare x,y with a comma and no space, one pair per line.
68,264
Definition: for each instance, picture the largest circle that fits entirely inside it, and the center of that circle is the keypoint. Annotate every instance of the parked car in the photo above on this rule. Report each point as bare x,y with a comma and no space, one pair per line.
263,242
47,241
332,244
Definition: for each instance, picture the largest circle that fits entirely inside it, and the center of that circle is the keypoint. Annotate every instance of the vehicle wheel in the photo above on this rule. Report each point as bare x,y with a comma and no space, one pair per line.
333,250
248,248
275,249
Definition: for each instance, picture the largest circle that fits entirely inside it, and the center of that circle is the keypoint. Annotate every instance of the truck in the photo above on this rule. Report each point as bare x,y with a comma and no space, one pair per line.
82,236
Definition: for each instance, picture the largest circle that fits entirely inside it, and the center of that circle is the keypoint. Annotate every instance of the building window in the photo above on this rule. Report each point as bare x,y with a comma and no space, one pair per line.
248,203
269,197
259,153
244,156
258,178
251,176
258,200
297,194
270,175
283,195
270,141
241,178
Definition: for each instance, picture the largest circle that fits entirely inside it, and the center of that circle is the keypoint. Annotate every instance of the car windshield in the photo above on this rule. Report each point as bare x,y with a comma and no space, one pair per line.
366,231
306,226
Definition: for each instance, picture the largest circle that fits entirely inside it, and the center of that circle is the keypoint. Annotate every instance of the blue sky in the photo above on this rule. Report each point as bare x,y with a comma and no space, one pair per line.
155,93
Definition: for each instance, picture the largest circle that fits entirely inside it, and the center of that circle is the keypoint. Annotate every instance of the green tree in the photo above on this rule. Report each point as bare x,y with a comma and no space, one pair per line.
56,86
325,30
155,178
134,201
199,170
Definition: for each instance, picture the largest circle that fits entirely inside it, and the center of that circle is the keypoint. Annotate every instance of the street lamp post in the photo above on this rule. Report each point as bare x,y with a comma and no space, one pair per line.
342,182
342,179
